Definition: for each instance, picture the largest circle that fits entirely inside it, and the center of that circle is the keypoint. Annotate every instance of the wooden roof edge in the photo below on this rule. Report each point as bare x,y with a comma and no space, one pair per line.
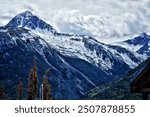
139,76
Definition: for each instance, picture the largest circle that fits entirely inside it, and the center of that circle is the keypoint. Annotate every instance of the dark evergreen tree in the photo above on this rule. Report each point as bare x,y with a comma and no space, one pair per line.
20,90
33,84
2,92
47,95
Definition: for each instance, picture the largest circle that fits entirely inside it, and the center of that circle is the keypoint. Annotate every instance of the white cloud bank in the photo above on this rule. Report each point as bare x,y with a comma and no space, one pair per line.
106,20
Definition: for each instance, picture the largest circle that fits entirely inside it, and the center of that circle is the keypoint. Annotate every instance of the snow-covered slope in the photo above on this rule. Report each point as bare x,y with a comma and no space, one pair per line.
139,44
80,46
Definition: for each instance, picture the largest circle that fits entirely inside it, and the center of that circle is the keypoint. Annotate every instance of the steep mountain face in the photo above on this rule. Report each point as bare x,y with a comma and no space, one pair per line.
18,47
78,62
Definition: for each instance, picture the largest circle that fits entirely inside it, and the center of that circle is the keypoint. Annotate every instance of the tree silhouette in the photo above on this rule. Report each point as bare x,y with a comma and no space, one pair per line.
20,89
46,87
33,84
2,92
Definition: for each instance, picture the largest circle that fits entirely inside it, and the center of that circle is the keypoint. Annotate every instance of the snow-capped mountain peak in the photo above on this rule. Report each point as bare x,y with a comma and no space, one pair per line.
30,21
143,34
139,44
26,14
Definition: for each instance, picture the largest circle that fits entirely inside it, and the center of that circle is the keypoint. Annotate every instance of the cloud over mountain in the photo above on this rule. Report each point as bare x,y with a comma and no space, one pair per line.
108,21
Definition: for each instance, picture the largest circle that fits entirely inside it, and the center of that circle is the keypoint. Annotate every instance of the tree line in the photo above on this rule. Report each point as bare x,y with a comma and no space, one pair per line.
32,88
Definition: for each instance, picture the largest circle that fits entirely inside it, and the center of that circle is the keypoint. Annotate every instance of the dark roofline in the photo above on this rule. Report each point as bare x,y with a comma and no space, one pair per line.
142,72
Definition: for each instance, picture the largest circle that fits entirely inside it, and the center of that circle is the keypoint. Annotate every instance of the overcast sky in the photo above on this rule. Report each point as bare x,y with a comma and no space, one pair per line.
8,8
100,18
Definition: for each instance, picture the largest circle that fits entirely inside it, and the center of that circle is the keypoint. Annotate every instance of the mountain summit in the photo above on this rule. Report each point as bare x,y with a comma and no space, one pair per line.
30,21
